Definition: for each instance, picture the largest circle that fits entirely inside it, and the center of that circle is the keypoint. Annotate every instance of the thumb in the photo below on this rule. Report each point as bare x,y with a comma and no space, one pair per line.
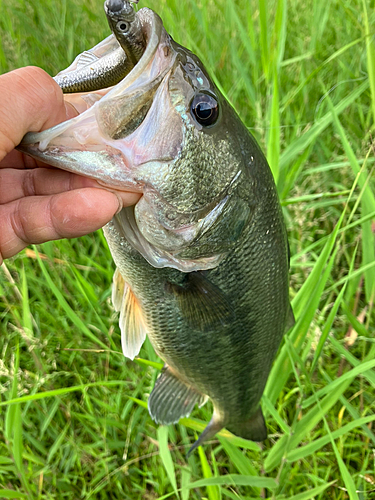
30,101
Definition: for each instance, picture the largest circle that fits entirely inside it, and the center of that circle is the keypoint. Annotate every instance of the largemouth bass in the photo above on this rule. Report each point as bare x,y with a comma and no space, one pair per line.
202,259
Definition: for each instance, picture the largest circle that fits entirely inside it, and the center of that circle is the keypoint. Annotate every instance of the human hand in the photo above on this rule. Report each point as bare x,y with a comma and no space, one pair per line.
39,204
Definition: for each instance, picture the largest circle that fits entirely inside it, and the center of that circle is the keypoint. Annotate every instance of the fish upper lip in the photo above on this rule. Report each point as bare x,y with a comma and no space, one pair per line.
124,9
114,5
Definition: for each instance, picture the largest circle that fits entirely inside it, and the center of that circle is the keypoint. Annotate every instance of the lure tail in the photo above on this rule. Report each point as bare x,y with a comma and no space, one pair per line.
214,426
253,428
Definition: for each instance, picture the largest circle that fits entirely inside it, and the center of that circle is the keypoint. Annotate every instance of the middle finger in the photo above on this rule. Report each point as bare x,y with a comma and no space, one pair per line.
16,184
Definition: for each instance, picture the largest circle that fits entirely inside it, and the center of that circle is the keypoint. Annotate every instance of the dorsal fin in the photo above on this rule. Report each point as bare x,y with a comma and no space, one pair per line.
132,323
172,398
86,58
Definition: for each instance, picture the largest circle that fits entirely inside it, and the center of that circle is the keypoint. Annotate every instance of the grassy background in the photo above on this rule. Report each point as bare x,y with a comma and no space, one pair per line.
302,76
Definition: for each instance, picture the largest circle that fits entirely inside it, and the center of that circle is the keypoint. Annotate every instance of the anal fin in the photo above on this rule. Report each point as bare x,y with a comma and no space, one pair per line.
172,399
132,323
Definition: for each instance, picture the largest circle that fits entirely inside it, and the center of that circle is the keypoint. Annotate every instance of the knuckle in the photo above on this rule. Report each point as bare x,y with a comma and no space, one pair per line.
28,183
16,222
12,239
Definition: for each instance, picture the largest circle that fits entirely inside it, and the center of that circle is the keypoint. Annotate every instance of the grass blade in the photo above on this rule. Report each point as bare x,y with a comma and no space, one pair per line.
317,444
273,148
65,306
185,480
308,495
63,391
327,327
264,37
241,463
304,306
236,480
12,494
17,438
368,206
370,52
300,144
303,426
359,370
212,491
58,443
347,478
11,410
166,456
269,409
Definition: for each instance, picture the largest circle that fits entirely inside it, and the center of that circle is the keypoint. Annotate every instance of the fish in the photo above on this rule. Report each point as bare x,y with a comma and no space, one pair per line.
111,60
202,259
103,66
126,26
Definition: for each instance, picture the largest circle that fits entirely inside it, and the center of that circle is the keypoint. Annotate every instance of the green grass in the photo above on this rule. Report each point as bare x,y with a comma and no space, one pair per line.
302,77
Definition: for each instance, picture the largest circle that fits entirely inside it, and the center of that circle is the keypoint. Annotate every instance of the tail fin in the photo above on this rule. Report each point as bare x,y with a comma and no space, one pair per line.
254,428
215,425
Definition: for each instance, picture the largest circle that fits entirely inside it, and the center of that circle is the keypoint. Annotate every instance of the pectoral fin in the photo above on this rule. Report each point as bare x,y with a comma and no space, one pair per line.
118,288
132,322
203,304
172,399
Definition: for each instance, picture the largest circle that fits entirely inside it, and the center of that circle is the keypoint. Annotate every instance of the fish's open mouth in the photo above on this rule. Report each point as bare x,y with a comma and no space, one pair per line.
139,136
106,141
126,132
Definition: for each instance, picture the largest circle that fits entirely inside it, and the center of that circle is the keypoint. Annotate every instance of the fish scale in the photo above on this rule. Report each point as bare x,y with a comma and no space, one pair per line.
202,259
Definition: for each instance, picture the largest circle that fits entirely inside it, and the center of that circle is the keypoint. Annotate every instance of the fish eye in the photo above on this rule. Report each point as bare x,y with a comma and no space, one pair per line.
205,109
122,26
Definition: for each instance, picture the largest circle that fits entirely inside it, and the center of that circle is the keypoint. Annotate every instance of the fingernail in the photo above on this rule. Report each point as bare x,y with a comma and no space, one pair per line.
120,204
